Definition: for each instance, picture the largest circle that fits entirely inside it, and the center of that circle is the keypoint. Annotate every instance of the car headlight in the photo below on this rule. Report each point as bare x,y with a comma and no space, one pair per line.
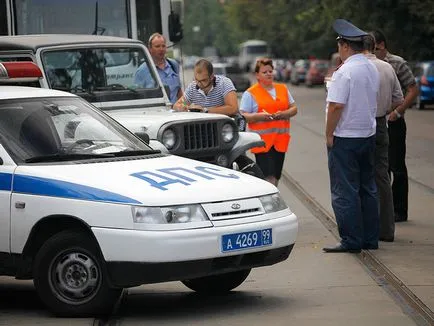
172,217
273,203
227,132
169,138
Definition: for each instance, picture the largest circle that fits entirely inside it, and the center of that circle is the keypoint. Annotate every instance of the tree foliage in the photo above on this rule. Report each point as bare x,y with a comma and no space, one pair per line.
301,28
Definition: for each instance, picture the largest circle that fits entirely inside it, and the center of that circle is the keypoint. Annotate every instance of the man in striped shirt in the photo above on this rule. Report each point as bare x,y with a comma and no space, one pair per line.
397,126
208,92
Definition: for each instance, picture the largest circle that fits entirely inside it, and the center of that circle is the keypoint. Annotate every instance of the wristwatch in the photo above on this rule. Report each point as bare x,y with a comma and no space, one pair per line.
398,114
205,110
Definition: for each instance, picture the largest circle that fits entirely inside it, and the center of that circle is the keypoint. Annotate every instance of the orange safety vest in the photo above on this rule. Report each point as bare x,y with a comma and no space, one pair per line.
273,133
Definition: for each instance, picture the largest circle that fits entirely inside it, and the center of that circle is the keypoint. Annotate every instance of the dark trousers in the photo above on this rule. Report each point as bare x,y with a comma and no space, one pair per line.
382,179
397,167
354,192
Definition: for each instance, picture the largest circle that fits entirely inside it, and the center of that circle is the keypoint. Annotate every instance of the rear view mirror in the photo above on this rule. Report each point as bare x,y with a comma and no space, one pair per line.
143,136
175,28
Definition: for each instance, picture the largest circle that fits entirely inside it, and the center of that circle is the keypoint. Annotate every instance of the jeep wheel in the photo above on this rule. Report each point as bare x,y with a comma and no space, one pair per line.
247,165
217,284
70,278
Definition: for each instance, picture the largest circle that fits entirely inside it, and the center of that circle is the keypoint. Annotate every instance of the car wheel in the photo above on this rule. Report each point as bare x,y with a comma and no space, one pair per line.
70,276
217,284
419,104
248,166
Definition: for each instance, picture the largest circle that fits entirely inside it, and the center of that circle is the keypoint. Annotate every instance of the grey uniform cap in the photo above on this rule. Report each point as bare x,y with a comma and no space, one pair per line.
348,31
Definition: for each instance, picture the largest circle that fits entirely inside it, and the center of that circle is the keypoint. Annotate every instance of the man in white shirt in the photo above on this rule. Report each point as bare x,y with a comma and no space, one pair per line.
388,98
350,139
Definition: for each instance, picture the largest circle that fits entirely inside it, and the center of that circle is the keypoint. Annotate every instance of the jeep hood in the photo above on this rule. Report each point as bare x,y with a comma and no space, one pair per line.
150,121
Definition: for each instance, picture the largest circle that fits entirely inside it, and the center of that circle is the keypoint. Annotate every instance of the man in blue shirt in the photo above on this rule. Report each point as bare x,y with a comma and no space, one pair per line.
168,69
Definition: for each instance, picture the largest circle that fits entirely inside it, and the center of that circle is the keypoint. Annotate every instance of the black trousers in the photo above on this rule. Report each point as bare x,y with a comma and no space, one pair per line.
397,167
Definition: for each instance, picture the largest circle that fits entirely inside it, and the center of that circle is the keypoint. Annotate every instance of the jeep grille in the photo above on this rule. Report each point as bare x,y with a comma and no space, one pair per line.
201,135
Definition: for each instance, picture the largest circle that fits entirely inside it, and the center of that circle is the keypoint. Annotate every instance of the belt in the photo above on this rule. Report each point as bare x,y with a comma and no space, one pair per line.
382,117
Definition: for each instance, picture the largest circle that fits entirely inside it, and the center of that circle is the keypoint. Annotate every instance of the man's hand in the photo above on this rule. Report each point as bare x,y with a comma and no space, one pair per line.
195,108
265,116
393,116
329,141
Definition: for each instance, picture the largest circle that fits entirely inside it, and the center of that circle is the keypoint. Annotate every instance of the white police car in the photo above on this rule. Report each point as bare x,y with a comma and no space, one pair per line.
88,209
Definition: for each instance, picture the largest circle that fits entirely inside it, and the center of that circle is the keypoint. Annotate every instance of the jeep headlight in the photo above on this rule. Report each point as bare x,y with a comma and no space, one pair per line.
227,132
171,217
273,203
169,138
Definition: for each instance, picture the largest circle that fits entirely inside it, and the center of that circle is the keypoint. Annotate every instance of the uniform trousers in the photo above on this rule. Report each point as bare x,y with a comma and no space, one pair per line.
351,164
397,167
382,179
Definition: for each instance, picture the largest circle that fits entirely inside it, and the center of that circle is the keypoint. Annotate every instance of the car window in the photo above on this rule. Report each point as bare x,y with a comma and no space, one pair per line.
96,69
430,71
54,126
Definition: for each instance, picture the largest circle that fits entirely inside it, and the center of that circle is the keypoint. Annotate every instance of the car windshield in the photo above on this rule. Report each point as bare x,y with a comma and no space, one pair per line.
430,72
97,73
62,128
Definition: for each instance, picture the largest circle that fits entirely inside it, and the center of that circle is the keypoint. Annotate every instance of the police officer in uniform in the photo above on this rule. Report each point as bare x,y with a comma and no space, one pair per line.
350,139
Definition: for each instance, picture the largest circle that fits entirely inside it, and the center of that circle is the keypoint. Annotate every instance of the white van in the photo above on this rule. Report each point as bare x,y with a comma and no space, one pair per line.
87,208
250,50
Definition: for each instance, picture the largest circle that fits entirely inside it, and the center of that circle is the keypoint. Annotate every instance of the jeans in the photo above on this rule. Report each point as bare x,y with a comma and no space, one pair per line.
354,192
397,167
382,179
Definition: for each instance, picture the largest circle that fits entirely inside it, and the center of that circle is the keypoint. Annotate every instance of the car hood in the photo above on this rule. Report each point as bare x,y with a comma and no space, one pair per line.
157,180
150,121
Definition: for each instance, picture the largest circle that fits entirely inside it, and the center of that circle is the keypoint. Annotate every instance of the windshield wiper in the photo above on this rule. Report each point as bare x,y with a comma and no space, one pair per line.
66,157
115,87
136,152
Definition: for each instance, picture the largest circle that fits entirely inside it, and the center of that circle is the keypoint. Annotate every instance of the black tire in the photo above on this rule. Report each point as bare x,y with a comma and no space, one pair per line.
419,104
217,284
248,166
70,277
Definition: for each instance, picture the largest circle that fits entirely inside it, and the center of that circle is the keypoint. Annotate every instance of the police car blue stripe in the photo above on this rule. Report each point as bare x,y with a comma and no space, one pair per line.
5,181
49,187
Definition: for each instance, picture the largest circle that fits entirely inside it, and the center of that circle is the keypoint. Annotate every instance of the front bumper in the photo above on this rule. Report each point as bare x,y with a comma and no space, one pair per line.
129,274
157,256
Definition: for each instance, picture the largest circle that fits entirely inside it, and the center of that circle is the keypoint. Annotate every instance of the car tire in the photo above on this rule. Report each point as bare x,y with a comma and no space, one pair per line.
70,276
217,284
248,166
419,104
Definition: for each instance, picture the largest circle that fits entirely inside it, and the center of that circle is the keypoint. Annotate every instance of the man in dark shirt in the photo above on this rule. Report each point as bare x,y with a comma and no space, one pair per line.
397,126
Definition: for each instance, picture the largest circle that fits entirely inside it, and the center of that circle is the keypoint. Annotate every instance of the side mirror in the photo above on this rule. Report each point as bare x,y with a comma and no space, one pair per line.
143,136
175,28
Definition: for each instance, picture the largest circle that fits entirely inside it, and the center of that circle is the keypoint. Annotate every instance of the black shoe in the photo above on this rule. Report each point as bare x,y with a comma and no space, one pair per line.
399,218
340,248
387,239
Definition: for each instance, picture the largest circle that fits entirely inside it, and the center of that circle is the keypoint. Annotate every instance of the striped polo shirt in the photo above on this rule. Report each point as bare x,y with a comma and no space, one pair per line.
403,71
215,97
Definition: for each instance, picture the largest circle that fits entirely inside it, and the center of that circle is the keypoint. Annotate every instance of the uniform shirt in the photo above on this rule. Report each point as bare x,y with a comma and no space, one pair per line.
248,103
390,90
215,97
403,71
355,84
167,75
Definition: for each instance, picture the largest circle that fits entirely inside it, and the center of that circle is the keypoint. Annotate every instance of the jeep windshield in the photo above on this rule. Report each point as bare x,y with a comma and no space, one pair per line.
101,74
62,129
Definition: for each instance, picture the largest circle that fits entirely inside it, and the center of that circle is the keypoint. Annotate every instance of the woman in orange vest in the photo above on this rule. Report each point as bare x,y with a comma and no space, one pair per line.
268,107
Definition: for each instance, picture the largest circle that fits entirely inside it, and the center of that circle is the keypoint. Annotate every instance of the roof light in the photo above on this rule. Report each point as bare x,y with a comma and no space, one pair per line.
20,70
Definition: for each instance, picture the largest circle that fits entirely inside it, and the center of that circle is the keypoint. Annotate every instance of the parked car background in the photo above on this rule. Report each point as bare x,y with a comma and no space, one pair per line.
316,72
235,73
424,73
298,73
